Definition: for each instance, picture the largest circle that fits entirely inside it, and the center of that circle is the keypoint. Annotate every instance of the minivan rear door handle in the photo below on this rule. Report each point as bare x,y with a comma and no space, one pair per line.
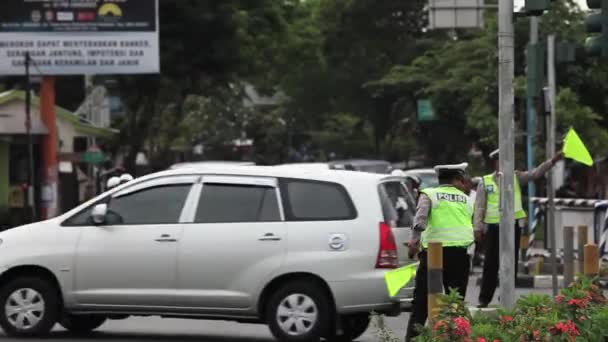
166,238
270,237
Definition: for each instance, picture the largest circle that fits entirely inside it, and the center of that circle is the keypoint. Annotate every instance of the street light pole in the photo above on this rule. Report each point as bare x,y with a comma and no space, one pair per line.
506,127
551,229
531,120
30,141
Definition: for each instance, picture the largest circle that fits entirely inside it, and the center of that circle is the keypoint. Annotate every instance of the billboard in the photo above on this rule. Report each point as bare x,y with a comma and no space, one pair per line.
75,37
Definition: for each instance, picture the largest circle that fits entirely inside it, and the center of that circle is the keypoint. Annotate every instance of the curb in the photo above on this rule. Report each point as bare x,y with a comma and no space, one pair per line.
534,282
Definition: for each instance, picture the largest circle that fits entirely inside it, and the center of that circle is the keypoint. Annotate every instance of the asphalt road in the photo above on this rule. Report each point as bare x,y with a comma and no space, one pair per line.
170,330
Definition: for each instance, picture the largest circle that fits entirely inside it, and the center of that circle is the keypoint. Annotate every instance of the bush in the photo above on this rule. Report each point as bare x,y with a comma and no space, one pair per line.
579,313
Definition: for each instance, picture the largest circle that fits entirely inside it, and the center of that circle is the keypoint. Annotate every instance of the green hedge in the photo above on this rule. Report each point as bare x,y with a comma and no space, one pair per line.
579,313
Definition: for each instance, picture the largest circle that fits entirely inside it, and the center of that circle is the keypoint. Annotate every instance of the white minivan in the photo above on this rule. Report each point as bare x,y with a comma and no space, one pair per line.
304,252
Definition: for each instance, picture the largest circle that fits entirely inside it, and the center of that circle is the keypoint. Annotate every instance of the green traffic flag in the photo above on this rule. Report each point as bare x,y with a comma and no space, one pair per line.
575,149
397,279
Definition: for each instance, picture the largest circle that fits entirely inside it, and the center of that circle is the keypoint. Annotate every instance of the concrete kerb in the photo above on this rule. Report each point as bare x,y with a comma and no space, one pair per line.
534,282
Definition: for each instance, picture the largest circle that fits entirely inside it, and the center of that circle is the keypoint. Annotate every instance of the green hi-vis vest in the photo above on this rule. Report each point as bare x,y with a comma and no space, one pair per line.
493,200
450,220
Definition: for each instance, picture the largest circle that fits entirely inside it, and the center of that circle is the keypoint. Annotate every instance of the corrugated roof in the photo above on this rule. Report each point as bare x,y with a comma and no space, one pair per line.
79,124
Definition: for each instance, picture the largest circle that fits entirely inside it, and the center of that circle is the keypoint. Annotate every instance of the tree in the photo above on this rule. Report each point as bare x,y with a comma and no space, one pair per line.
460,77
362,40
206,46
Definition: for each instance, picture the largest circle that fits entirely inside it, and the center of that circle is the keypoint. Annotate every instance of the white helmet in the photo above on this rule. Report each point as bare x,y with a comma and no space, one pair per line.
398,173
112,182
126,178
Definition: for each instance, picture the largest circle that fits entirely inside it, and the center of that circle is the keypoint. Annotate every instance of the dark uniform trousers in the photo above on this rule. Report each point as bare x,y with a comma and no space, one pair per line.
456,267
491,262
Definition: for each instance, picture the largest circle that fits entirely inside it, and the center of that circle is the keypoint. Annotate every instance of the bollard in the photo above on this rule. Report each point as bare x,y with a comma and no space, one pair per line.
582,241
538,270
592,260
568,255
435,277
524,244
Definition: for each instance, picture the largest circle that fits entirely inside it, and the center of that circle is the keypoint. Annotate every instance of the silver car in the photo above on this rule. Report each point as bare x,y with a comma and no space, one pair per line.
304,252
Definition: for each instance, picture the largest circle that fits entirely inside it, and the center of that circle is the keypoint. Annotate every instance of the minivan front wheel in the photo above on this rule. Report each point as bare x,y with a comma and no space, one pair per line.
30,307
298,312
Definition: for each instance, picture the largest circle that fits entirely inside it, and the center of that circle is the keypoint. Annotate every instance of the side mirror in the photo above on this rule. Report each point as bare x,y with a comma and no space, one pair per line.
98,215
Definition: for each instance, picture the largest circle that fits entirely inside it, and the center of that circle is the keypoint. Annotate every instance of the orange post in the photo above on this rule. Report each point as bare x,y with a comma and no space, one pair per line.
49,149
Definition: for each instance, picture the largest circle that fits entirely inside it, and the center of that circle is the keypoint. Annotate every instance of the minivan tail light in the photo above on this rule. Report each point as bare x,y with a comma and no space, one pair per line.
387,254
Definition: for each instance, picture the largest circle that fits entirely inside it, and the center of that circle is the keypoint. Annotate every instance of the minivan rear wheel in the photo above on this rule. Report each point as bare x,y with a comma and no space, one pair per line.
81,324
299,312
30,307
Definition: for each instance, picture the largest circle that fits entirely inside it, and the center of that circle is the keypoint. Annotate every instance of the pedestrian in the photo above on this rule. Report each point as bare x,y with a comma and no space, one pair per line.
414,183
444,214
475,251
487,219
112,182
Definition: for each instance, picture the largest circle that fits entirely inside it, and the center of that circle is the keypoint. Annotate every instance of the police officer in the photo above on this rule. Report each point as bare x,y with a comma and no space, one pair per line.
444,214
487,218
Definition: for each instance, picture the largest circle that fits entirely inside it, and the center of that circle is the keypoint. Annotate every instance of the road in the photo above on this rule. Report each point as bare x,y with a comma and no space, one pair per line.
169,330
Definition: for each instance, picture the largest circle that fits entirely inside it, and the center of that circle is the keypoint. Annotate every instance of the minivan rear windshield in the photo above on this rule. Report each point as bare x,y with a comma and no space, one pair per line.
398,206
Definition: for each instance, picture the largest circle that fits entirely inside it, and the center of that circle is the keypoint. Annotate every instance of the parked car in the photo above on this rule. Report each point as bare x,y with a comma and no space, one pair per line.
363,165
293,249
210,163
428,177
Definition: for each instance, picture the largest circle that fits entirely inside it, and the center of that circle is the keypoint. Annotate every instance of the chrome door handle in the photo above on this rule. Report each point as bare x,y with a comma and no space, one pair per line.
270,237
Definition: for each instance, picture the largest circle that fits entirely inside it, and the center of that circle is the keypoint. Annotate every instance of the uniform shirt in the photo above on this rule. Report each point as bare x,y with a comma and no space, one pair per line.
421,219
522,176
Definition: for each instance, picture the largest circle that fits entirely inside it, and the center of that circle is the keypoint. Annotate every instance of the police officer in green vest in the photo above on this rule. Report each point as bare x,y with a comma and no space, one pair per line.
444,214
487,219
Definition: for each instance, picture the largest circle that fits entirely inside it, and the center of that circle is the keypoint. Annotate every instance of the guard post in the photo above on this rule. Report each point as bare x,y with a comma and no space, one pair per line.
435,277
568,255
582,241
592,260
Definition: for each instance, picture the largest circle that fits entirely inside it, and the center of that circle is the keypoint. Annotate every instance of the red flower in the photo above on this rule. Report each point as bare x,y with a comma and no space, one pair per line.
581,303
481,339
559,299
438,325
566,328
535,333
506,319
463,328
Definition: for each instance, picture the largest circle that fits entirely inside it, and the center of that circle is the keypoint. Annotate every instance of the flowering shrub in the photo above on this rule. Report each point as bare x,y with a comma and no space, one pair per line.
579,313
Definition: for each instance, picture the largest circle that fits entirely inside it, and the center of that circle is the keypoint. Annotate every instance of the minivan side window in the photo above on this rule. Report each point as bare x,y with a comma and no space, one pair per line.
155,205
226,203
316,201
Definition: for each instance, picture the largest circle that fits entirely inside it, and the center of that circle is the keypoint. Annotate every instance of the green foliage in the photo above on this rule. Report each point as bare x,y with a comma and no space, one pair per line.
571,113
351,72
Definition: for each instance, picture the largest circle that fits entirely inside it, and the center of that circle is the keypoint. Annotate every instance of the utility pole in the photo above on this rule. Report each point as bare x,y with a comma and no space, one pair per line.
531,118
31,166
90,116
506,127
551,229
